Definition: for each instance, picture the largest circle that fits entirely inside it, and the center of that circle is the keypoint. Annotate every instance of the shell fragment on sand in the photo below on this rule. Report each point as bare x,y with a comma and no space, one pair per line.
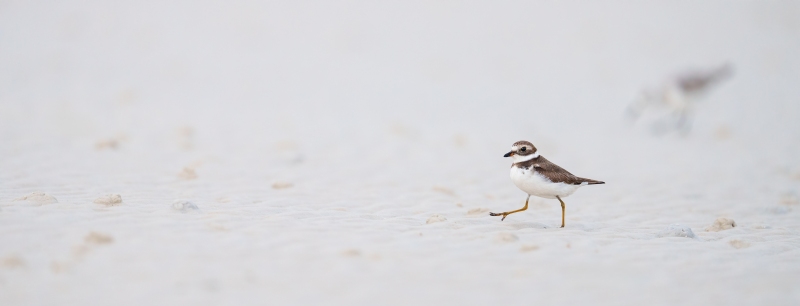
676,230
38,198
184,206
721,224
435,218
109,200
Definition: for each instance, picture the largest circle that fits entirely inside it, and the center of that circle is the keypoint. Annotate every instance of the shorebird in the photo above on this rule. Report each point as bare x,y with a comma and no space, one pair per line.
676,98
537,176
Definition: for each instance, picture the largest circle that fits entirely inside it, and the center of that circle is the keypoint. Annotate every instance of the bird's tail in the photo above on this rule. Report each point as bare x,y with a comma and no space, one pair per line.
592,182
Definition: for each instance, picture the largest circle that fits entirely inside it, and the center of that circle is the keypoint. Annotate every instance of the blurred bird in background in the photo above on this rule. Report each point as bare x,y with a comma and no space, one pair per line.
669,107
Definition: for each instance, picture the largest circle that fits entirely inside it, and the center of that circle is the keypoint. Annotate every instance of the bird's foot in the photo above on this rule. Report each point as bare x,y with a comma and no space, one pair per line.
499,214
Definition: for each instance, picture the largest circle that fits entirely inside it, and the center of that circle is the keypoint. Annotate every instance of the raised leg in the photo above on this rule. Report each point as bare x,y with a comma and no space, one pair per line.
563,210
513,211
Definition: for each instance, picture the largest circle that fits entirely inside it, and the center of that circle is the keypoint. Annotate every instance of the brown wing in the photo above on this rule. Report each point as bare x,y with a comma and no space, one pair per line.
555,173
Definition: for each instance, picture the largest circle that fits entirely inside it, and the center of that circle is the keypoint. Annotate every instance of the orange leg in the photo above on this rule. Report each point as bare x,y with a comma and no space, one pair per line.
513,211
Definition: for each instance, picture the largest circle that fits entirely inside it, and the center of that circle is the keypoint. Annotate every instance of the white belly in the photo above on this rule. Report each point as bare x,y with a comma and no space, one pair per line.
538,185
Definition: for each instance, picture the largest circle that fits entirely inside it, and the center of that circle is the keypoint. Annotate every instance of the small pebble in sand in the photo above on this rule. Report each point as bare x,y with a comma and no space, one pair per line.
435,218
187,174
106,144
676,230
98,238
281,185
506,237
109,200
739,244
184,206
721,224
38,198
112,143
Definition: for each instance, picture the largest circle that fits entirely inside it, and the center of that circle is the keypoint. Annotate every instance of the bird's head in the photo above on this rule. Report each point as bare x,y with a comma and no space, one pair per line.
522,151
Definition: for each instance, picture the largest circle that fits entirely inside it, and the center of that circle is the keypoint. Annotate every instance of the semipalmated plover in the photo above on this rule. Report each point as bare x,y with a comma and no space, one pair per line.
537,176
676,97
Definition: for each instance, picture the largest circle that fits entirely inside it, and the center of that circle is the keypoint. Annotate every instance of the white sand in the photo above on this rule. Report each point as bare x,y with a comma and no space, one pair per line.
298,153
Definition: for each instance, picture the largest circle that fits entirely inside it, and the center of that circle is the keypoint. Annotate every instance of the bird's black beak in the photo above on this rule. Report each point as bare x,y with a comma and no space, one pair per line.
509,154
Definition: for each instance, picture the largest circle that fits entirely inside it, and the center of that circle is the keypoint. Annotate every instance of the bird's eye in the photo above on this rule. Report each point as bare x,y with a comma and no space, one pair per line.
523,149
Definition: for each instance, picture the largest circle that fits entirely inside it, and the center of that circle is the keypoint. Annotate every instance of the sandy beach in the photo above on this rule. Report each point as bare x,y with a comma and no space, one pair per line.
347,153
